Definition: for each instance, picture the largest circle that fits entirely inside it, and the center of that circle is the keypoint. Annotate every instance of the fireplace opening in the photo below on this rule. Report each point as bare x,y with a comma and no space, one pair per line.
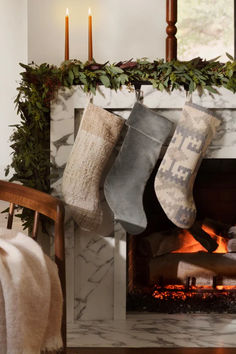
173,270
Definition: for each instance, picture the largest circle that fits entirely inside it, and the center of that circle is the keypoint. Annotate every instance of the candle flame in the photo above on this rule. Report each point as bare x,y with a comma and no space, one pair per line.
89,11
67,11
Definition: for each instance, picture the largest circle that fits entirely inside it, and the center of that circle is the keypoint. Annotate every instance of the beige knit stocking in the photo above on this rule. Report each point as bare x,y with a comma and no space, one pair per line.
97,135
177,172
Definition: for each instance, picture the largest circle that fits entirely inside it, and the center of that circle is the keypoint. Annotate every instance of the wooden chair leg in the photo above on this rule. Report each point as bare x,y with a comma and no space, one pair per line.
61,272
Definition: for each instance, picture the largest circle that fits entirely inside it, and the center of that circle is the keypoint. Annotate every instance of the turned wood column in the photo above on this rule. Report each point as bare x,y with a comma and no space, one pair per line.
171,19
234,29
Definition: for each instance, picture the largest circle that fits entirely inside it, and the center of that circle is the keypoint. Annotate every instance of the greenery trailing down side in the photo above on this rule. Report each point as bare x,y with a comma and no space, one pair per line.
30,140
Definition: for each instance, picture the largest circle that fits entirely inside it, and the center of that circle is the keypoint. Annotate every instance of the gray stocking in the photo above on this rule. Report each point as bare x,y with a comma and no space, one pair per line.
125,183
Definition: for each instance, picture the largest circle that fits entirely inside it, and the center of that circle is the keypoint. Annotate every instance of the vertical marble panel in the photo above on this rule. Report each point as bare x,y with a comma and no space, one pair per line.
94,264
119,272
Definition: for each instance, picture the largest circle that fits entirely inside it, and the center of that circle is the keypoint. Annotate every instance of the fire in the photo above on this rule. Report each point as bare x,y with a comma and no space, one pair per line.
174,292
190,245
222,242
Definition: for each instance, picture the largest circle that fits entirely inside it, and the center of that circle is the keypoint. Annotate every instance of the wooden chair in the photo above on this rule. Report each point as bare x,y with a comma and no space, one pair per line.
53,208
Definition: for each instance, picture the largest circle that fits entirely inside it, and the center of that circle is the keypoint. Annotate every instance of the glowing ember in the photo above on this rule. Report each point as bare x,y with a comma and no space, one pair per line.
190,245
173,292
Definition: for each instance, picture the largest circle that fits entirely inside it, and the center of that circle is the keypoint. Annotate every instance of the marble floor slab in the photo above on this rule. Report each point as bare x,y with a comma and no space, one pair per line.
157,330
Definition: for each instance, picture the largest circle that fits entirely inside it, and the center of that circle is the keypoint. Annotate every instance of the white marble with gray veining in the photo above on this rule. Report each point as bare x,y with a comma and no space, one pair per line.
157,330
94,277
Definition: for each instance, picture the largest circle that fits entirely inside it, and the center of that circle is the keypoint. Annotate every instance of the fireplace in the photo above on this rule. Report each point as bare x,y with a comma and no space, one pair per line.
168,269
97,261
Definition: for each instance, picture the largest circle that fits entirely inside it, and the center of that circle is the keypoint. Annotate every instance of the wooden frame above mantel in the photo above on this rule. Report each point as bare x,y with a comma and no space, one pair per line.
171,29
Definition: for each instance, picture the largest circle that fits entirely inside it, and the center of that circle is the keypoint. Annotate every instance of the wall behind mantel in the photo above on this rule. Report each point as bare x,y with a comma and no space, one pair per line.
13,39
122,29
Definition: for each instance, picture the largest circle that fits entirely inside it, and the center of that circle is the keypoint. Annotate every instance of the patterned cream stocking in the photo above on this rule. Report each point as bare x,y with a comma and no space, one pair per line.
177,172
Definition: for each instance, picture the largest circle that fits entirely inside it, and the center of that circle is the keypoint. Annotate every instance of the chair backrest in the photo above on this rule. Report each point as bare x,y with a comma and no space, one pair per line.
41,203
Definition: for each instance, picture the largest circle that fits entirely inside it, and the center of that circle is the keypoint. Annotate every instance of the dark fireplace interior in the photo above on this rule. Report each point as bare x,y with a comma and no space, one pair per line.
168,269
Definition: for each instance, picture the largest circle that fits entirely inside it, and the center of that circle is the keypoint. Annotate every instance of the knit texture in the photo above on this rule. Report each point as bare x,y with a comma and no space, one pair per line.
176,175
30,297
97,135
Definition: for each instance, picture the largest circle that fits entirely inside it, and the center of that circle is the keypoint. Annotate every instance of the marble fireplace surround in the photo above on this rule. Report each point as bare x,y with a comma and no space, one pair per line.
96,262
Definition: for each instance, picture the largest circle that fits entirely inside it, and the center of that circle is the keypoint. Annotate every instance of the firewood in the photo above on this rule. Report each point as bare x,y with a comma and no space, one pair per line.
179,266
232,245
159,243
172,240
219,228
232,232
203,238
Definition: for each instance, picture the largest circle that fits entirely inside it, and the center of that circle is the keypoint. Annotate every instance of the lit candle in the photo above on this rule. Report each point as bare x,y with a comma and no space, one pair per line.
90,36
67,35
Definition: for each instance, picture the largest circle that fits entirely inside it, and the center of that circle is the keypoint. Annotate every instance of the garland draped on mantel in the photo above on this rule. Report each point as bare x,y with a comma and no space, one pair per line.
30,140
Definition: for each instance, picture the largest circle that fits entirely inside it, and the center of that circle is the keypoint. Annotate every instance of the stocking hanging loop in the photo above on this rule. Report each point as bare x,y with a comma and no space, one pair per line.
138,92
189,97
90,97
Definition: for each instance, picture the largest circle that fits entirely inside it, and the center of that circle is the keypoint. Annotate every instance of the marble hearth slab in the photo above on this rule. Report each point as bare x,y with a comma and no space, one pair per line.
157,330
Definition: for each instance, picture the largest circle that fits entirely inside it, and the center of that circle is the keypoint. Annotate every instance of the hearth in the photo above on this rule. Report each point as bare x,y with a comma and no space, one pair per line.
168,269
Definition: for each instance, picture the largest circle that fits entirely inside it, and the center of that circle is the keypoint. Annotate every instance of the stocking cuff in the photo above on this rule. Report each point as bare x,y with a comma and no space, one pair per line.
149,123
99,122
211,116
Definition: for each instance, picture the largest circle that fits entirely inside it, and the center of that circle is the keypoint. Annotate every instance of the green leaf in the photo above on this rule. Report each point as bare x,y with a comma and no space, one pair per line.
75,71
38,104
230,56
93,89
154,83
83,78
123,78
215,59
116,70
105,80
166,82
192,86
70,77
24,66
7,170
211,89
169,70
161,86
231,73
27,161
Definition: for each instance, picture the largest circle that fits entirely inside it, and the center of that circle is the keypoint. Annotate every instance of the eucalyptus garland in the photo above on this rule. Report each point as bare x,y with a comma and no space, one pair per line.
30,140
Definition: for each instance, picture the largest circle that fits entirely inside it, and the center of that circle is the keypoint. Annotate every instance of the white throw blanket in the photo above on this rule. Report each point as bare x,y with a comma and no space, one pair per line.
30,297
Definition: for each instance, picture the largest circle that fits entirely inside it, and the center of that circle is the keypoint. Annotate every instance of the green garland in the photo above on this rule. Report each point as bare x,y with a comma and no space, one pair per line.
30,140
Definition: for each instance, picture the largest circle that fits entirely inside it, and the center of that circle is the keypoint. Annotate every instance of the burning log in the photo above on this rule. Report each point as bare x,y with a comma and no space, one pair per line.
203,237
182,241
232,232
232,245
179,266
218,227
162,242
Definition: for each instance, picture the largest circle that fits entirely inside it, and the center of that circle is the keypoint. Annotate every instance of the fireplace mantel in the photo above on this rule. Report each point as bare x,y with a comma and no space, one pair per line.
96,262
